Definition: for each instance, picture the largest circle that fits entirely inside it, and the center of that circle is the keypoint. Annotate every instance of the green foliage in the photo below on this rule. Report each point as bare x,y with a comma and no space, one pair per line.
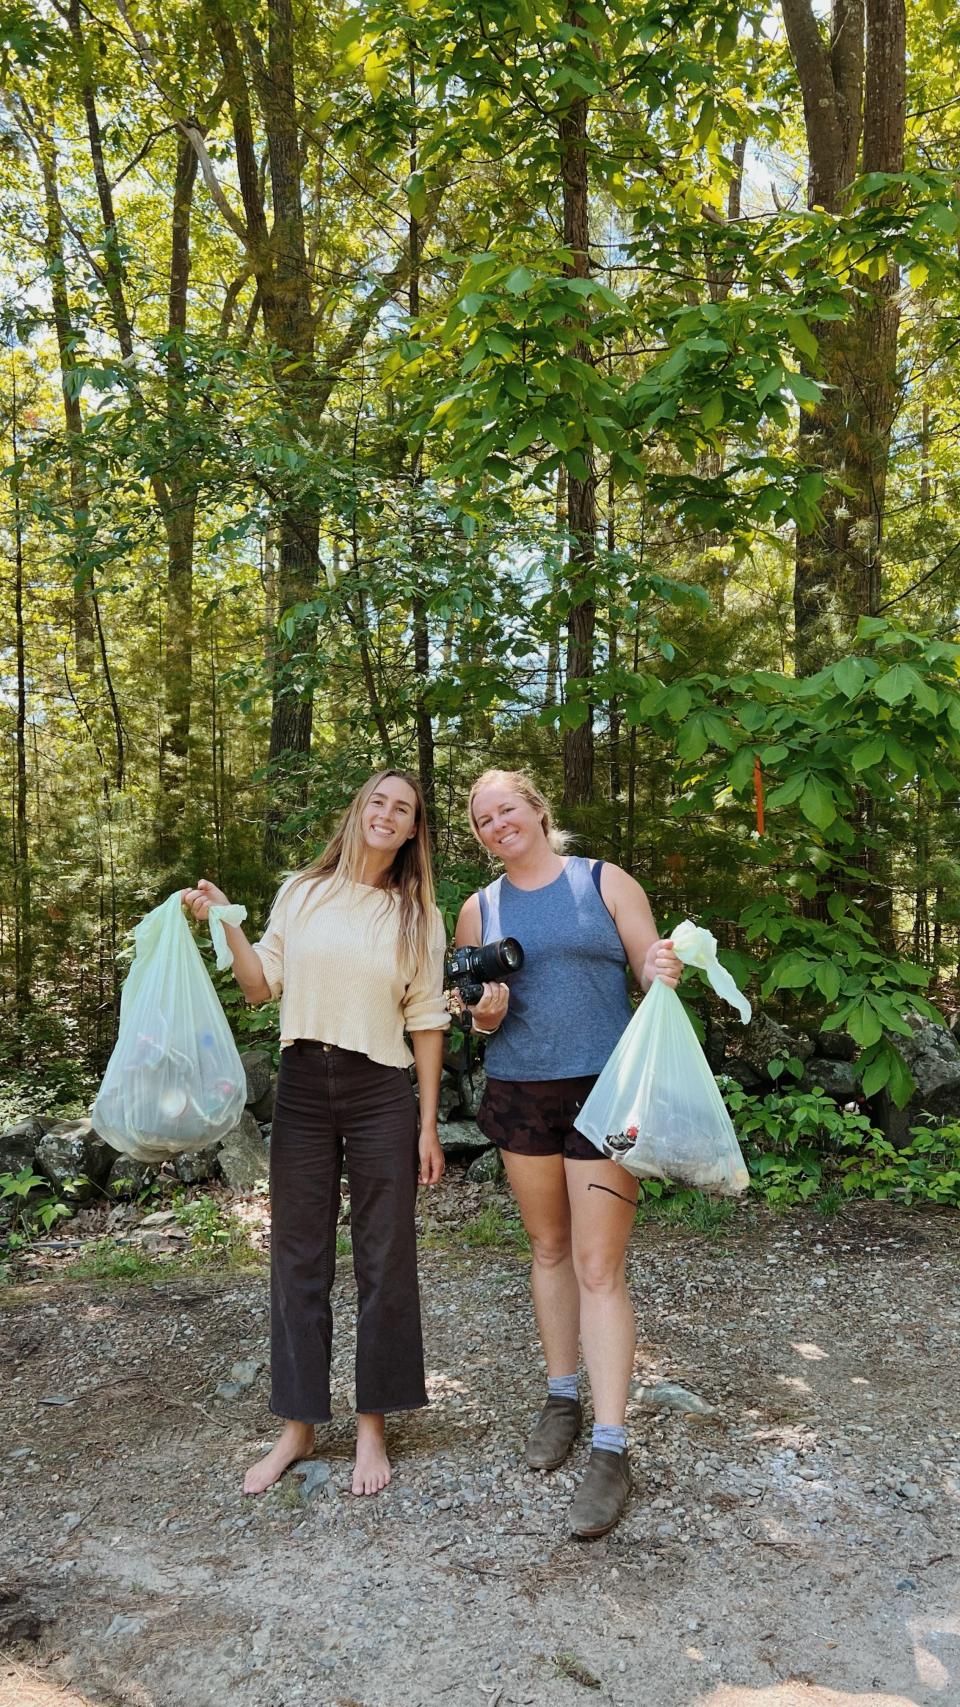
926,1170
215,1232
35,1208
684,1206
830,746
801,1148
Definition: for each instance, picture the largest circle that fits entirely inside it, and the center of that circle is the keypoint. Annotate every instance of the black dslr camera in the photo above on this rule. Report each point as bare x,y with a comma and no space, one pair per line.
467,969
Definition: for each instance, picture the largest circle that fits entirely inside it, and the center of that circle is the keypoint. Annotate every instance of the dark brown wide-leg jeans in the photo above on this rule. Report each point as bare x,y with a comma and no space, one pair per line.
333,1102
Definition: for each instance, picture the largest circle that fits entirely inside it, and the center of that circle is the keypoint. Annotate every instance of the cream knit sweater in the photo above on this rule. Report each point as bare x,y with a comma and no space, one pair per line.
334,965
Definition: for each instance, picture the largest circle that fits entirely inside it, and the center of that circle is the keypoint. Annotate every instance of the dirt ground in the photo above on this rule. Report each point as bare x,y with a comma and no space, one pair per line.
800,1549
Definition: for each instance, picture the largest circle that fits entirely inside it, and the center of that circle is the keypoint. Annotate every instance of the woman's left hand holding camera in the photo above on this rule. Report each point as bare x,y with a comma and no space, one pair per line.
490,1012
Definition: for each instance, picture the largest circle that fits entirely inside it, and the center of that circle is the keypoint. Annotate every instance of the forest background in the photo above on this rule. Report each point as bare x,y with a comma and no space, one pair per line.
415,382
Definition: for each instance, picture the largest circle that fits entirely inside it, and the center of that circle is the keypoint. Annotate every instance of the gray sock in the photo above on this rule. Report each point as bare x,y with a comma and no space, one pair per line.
563,1386
609,1437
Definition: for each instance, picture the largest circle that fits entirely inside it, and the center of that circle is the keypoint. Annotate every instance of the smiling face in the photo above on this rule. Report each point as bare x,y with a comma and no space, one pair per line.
507,824
389,817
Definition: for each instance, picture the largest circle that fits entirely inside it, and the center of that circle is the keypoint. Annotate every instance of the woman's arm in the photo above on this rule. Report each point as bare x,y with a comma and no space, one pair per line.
428,1055
491,1009
247,967
649,955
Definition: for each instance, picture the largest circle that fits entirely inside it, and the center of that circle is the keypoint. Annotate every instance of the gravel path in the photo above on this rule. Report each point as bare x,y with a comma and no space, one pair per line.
800,1549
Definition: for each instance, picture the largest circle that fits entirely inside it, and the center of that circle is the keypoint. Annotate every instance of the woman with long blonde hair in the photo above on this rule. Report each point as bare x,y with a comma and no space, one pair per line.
581,923
354,949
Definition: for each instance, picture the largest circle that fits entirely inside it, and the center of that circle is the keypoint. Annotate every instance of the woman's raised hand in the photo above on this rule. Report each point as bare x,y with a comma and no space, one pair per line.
662,963
201,899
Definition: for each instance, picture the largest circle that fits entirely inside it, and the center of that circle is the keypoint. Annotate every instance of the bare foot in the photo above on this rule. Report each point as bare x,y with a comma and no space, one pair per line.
371,1473
296,1441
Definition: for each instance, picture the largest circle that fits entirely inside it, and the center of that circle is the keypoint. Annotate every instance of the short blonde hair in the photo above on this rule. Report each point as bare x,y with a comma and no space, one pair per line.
518,782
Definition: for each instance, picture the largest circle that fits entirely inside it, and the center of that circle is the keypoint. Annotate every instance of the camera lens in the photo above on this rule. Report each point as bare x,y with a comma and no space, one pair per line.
511,954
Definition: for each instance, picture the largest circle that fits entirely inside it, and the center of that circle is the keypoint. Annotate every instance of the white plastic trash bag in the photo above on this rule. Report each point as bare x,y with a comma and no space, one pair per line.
174,1081
656,1107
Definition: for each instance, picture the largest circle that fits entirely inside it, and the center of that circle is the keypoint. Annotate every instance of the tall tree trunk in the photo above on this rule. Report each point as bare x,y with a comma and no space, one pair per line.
426,761
854,98
23,942
181,514
551,692
581,493
83,624
614,717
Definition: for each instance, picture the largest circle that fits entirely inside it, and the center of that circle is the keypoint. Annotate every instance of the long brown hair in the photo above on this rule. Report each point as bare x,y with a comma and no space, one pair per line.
408,880
518,782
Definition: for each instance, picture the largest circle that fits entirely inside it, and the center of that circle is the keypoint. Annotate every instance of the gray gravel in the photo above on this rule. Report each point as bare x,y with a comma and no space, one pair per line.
800,1547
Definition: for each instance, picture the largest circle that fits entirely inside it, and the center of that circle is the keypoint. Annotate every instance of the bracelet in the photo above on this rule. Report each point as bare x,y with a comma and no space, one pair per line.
482,1031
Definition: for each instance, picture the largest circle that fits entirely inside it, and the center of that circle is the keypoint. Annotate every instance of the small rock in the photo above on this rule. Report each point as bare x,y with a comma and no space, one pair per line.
910,1491
486,1168
195,1167
258,1067
314,1474
461,1138
243,1156
123,1626
245,1373
668,1396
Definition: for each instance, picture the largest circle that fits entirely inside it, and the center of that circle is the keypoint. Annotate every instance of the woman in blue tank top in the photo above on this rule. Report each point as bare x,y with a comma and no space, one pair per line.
581,924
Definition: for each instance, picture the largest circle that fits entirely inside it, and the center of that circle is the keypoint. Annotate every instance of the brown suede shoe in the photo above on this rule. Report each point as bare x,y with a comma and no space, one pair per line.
553,1433
602,1495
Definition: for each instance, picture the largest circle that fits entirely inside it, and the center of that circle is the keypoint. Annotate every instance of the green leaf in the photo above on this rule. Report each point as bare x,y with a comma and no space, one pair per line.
804,390
817,804
741,768
416,195
500,342
864,1025
894,685
678,702
943,218
712,412
692,741
788,791
850,675
868,753
801,337
519,281
828,981
524,437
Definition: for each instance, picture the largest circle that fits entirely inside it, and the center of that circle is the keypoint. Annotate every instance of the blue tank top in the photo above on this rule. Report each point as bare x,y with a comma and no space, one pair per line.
568,1002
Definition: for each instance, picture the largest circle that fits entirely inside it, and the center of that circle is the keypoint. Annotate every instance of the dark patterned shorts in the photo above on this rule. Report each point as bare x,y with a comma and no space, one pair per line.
534,1117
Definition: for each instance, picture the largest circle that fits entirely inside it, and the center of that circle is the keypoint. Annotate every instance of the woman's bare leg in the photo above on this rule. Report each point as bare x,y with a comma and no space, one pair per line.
296,1441
539,1185
600,1229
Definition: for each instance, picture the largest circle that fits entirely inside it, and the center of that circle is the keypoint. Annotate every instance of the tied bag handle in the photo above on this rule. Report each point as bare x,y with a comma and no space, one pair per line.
698,947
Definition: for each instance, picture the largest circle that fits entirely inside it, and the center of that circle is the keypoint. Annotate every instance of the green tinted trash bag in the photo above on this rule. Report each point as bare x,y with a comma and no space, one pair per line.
656,1107
174,1081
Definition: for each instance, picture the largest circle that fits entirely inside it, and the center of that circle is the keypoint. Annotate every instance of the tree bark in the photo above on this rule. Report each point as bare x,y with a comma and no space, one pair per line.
854,97
83,624
181,511
581,493
23,941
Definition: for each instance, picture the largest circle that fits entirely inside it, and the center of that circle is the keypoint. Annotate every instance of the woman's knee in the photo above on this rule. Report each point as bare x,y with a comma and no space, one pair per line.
600,1273
552,1249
